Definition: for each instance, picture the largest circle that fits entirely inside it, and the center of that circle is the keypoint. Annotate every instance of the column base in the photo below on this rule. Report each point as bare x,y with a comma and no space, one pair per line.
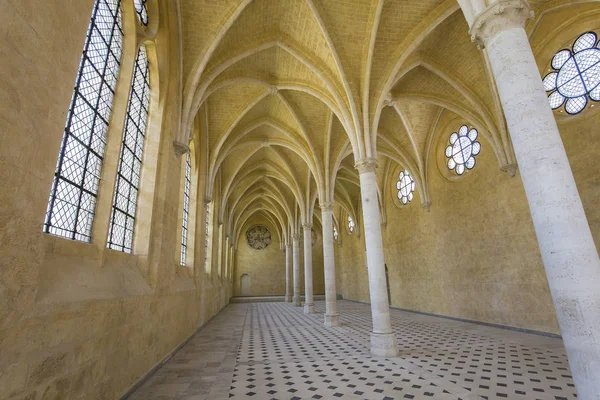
296,302
309,308
332,320
384,345
288,298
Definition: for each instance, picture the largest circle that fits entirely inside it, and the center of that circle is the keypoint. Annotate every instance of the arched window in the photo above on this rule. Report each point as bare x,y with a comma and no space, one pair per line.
74,191
405,186
351,224
122,220
186,208
576,75
141,10
335,234
462,149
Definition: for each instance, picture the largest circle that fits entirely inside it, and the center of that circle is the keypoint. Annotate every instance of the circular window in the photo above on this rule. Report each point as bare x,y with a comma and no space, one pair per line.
576,75
351,224
462,149
258,237
405,186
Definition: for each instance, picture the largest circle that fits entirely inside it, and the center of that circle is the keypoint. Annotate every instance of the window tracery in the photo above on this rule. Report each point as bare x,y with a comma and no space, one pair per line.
576,75
186,208
406,187
462,149
335,234
141,10
351,224
122,221
72,201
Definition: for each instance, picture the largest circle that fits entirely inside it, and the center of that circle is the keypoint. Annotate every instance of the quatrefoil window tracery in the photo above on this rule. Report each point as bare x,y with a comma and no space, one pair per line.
576,75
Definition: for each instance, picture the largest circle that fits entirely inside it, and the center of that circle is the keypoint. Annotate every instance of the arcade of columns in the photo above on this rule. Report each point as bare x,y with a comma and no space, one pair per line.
566,244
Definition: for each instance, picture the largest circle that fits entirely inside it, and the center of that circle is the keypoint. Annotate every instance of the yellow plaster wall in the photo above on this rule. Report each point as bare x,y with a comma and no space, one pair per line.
267,267
78,321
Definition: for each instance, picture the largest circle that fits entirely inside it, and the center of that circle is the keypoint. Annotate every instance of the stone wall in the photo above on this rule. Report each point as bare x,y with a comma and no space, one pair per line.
78,321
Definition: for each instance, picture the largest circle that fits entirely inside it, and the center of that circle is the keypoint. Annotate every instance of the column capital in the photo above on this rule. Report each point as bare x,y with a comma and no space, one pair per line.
307,226
180,148
287,245
326,206
207,200
366,165
498,17
296,237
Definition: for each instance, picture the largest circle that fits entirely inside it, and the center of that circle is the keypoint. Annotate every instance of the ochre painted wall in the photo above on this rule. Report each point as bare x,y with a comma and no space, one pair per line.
266,268
78,321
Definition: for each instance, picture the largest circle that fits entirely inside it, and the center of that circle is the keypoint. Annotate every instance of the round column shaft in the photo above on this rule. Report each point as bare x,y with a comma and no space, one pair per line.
383,339
309,305
566,244
288,273
332,318
296,255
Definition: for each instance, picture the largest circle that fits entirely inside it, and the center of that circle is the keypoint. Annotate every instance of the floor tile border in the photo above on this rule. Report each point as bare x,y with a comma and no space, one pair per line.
471,321
166,358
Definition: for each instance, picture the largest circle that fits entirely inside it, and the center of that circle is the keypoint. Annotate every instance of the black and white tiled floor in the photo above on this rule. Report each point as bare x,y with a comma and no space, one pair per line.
280,353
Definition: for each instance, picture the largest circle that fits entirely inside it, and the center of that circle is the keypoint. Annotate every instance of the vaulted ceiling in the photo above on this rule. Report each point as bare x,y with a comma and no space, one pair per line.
281,97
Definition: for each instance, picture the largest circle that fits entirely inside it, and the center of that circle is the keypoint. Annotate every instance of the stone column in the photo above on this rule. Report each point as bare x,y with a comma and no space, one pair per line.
309,305
383,339
296,252
566,244
288,273
332,318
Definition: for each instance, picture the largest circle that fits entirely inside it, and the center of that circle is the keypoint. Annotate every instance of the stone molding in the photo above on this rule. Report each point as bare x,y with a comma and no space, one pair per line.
366,165
510,169
180,148
327,206
500,16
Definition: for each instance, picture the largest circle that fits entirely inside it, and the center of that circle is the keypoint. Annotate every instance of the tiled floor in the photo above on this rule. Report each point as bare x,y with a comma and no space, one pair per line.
274,351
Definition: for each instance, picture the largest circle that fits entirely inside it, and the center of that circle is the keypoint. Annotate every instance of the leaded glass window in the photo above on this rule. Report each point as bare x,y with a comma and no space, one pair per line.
462,149
351,224
335,233
122,221
72,202
405,186
186,208
206,236
141,10
576,75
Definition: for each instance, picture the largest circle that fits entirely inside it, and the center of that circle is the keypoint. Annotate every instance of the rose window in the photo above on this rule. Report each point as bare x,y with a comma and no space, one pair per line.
576,75
351,224
405,186
462,149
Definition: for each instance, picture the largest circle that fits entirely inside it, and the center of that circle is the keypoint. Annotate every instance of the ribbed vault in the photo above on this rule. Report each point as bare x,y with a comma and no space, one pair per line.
285,96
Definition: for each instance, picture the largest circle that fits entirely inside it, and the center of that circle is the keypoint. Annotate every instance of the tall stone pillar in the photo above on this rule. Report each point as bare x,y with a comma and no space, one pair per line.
309,305
332,318
383,339
288,273
296,253
566,244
